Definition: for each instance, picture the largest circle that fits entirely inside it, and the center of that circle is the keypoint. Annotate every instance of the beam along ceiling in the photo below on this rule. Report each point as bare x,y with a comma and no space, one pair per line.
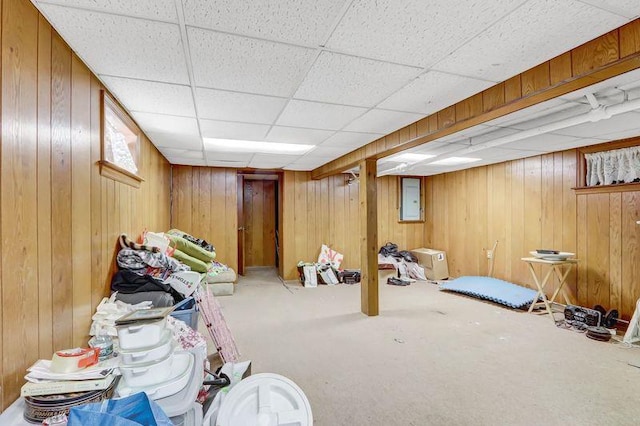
331,74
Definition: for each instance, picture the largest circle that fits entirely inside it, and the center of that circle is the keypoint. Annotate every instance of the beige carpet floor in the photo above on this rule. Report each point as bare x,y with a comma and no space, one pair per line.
429,358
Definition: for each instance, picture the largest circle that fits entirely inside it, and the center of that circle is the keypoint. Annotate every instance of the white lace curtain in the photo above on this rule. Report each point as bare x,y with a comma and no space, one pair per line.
611,167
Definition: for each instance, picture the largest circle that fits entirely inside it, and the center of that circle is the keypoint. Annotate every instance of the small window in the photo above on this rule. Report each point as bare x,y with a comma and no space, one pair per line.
120,144
411,199
611,166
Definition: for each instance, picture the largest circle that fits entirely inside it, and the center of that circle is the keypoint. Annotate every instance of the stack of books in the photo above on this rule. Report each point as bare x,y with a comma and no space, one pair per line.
48,394
42,381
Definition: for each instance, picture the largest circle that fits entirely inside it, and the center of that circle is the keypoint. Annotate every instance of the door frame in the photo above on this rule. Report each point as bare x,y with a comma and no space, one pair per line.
252,174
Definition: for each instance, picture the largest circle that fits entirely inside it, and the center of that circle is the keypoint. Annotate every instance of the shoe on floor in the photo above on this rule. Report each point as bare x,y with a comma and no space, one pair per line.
397,281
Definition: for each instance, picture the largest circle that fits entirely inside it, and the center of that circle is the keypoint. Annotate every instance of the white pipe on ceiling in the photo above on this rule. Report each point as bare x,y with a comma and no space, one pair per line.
596,114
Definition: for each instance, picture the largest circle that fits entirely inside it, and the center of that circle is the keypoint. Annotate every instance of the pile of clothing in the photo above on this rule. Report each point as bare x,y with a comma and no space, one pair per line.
405,263
165,268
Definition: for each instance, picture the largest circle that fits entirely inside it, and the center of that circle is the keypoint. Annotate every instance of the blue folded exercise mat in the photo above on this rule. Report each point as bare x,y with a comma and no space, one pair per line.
495,290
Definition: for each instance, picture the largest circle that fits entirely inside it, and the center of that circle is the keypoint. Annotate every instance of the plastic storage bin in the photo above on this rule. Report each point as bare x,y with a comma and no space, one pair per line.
143,335
187,311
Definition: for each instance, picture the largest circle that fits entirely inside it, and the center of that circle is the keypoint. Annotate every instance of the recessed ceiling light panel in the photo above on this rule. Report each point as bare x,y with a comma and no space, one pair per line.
234,145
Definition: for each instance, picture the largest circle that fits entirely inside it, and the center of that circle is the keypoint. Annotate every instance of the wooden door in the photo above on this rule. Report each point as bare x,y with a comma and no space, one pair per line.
259,210
240,195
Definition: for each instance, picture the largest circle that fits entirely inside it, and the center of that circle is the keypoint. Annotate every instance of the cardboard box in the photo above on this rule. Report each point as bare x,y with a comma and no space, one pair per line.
434,263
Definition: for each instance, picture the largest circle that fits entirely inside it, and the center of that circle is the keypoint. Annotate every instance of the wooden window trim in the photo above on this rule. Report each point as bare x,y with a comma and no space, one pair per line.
581,169
107,168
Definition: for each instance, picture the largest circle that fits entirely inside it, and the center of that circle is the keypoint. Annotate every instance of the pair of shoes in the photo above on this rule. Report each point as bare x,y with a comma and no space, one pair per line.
397,281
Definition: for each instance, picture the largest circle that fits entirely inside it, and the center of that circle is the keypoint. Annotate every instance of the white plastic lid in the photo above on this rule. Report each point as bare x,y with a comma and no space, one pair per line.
265,399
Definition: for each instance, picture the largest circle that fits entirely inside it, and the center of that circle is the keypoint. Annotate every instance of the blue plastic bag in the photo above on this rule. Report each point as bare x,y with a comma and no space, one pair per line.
134,410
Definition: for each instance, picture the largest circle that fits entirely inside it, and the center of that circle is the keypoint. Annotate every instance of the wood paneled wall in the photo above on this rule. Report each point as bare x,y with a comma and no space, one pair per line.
204,204
314,212
59,219
326,211
528,204
609,245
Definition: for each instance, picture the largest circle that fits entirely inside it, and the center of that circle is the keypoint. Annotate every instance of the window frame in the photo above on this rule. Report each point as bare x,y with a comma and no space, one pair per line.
108,168
581,167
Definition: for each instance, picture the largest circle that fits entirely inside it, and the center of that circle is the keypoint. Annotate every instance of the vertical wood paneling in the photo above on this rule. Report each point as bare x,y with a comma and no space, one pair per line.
59,218
18,185
630,38
81,186
581,252
532,208
569,210
597,253
537,78
615,250
45,292
512,89
630,251
594,54
61,186
530,203
560,68
204,203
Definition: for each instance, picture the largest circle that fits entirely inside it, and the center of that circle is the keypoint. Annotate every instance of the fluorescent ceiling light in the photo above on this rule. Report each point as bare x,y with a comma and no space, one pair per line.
234,145
455,160
409,157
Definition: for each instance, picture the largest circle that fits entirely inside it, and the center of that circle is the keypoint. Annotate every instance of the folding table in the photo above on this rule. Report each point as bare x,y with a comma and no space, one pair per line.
556,266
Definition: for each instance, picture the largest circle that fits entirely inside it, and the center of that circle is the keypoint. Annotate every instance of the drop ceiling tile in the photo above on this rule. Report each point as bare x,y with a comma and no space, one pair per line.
182,153
291,21
464,135
538,115
224,61
231,130
160,123
122,46
382,121
343,79
413,32
227,156
434,91
543,143
577,143
187,161
331,151
622,134
351,139
268,161
532,34
627,8
234,164
500,153
615,124
312,159
177,141
234,106
317,115
438,148
297,135
152,96
162,10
